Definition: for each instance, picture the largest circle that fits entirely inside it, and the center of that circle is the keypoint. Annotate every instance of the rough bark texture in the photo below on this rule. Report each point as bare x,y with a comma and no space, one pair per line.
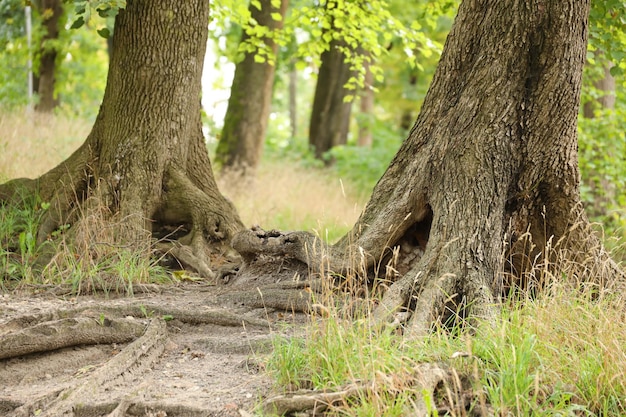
248,110
145,164
330,116
485,188
52,11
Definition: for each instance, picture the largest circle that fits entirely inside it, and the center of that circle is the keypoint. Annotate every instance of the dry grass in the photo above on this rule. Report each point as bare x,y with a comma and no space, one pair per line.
286,196
31,144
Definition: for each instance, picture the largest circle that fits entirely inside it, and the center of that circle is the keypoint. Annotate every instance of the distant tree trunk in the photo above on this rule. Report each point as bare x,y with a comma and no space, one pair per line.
607,101
51,10
366,115
330,116
602,189
145,164
245,123
483,194
293,99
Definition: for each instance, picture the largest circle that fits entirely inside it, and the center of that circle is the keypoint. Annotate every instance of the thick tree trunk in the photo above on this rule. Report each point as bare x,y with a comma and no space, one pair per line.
484,191
330,116
145,163
245,123
52,11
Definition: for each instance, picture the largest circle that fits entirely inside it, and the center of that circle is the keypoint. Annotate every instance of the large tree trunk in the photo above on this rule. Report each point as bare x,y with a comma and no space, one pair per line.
245,123
485,188
330,116
145,163
46,80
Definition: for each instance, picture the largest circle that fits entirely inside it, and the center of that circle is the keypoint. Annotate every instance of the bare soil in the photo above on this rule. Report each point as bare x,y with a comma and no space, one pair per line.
211,361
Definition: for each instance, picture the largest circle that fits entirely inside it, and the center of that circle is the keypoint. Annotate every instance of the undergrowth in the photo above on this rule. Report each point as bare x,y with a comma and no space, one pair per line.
83,259
561,353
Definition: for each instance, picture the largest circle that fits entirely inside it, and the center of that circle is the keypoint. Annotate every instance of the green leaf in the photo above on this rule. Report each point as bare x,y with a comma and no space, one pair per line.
104,32
277,17
104,13
616,71
78,23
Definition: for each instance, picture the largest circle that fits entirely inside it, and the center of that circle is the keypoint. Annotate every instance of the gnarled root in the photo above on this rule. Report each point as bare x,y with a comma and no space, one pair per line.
138,355
425,378
211,221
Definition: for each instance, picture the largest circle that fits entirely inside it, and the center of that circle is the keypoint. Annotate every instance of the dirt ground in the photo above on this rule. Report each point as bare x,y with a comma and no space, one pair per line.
211,363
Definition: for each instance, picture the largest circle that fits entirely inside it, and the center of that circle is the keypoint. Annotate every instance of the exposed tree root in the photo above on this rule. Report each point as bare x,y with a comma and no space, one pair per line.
425,378
69,332
301,246
279,299
134,408
91,326
134,358
211,220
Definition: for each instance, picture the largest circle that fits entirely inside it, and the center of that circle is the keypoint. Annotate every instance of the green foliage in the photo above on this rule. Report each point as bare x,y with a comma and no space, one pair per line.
86,10
12,21
602,162
82,73
14,53
18,246
607,32
365,29
561,354
81,64
103,266
363,166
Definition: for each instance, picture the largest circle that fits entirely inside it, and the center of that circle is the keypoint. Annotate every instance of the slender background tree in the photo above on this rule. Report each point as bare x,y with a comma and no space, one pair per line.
245,122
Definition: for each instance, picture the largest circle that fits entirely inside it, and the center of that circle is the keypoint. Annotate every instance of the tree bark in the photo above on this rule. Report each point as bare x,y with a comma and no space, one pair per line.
46,80
483,194
245,122
145,164
330,116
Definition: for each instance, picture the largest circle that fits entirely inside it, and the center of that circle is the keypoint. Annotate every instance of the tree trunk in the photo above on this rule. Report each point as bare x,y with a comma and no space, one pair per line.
293,99
145,163
51,11
483,194
605,84
330,116
246,118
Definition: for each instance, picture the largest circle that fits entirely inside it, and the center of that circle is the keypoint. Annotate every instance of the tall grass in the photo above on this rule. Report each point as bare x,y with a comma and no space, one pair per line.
31,144
561,353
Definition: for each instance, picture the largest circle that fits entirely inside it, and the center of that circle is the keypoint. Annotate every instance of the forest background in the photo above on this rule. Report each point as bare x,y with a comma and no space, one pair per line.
297,188
403,69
